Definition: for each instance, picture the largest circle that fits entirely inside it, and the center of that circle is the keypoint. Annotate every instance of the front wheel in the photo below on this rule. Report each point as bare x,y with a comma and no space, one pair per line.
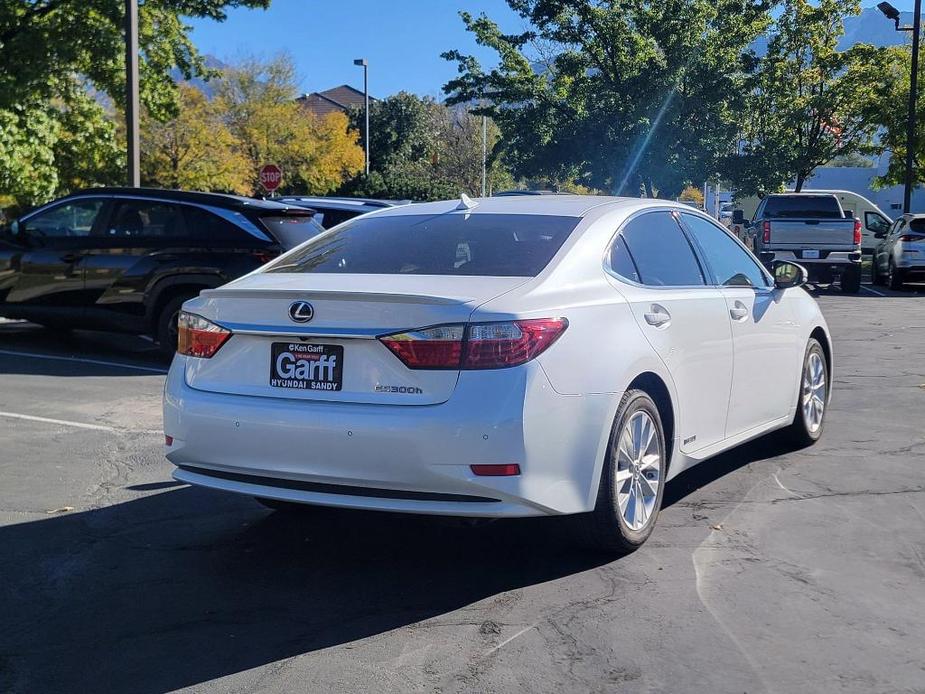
632,481
813,401
875,277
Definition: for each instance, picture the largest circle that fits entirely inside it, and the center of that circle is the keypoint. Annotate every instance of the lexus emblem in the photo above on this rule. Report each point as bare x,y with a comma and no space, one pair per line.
301,311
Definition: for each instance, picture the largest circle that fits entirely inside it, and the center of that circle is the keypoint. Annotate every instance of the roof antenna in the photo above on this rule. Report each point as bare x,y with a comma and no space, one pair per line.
466,203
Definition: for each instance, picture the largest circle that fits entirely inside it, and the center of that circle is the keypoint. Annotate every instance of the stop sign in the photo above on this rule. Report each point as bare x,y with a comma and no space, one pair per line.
270,177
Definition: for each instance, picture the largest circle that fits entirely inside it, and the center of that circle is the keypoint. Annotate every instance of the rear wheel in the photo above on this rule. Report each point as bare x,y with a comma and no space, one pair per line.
809,419
895,278
632,482
851,280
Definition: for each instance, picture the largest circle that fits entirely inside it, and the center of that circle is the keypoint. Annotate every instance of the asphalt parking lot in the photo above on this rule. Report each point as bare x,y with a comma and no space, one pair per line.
770,570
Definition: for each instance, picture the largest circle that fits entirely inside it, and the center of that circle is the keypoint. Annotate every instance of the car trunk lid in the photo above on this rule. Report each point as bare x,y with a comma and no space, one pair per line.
335,355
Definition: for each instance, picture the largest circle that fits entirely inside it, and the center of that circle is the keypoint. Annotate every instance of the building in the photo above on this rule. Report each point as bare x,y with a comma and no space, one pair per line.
339,98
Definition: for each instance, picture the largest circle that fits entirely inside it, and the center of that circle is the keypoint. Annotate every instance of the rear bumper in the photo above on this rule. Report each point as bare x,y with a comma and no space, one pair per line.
406,458
827,258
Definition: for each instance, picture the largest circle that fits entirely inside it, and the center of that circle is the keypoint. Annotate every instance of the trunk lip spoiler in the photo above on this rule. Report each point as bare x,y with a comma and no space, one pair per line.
339,295
306,331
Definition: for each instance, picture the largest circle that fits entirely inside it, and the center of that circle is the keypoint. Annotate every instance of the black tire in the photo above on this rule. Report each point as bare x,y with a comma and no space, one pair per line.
605,529
876,278
896,278
167,324
800,432
851,280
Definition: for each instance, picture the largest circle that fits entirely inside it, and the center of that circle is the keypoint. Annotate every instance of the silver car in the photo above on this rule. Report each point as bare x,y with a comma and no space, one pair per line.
901,254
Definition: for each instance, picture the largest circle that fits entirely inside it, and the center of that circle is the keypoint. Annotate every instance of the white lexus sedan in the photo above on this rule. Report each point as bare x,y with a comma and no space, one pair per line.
500,357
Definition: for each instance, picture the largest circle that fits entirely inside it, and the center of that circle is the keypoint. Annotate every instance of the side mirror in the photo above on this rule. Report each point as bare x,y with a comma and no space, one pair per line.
787,274
738,217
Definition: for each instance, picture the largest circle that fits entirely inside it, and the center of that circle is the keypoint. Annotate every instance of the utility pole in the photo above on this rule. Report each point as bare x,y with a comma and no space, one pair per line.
362,62
131,93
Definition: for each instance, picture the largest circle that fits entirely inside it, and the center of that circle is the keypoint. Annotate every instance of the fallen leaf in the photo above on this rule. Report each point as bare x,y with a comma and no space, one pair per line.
63,509
717,527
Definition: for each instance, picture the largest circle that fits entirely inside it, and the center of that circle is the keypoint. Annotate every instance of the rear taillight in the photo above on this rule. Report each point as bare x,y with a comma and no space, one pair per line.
911,238
766,232
475,345
857,231
198,337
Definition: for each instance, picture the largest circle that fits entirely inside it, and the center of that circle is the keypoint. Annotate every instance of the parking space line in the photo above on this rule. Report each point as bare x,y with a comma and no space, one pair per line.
82,360
872,291
76,425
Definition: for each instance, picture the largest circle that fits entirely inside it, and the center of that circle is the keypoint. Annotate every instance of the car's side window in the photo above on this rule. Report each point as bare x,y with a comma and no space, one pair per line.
70,219
145,219
732,266
621,262
876,223
661,252
207,227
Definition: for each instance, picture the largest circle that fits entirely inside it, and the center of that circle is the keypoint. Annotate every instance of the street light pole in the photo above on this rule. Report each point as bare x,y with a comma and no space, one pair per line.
365,65
484,156
913,93
892,13
131,93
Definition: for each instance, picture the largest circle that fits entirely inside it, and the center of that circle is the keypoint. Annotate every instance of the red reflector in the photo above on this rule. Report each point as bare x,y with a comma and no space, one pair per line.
198,337
504,470
168,440
857,231
766,232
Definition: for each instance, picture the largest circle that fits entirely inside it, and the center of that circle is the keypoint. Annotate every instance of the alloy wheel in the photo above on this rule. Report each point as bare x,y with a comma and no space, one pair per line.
814,392
638,474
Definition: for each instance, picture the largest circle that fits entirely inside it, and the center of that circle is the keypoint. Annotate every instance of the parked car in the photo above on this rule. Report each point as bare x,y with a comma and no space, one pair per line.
125,259
901,253
509,356
725,213
873,219
811,229
330,212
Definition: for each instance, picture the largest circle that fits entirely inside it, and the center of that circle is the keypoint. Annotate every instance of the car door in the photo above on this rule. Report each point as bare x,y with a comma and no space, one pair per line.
885,249
685,320
123,254
45,276
767,343
874,223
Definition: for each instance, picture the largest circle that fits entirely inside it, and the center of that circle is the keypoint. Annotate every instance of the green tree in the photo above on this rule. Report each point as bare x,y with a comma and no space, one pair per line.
892,97
459,151
51,135
807,102
614,95
195,150
315,154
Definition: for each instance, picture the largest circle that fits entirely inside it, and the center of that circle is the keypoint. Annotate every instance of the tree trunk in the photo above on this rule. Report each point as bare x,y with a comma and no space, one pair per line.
801,179
647,184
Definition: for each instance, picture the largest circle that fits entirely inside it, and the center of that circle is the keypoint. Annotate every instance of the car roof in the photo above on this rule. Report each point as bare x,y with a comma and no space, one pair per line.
343,203
233,202
560,205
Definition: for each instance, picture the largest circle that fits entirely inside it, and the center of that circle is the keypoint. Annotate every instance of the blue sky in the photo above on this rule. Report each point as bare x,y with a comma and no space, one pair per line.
402,39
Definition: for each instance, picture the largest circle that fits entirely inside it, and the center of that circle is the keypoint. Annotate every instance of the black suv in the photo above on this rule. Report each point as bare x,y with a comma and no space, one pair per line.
125,259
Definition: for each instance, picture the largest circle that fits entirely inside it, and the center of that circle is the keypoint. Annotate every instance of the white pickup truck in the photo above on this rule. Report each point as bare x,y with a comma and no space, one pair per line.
810,229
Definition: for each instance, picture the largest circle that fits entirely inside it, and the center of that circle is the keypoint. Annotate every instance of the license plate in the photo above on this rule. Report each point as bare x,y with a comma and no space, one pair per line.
810,254
306,366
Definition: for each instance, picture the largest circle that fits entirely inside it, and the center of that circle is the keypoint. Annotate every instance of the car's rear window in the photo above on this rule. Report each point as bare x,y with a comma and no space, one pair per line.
291,230
917,225
497,245
815,206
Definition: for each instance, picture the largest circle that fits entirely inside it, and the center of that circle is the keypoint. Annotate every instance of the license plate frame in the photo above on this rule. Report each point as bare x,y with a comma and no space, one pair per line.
309,366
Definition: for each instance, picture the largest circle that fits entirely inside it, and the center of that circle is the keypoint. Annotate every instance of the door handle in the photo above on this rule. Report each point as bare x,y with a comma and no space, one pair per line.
658,316
739,311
